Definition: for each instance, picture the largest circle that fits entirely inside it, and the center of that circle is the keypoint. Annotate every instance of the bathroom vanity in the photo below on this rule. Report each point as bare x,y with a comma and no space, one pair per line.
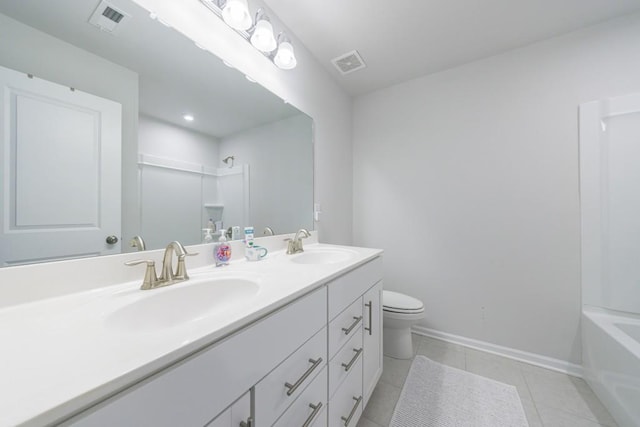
288,341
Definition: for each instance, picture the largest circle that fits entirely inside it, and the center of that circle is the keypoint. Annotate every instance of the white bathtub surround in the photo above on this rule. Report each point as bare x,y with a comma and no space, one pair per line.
610,209
611,358
65,350
610,202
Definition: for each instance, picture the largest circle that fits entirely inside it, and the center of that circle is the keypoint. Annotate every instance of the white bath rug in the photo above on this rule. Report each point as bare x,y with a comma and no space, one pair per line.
435,395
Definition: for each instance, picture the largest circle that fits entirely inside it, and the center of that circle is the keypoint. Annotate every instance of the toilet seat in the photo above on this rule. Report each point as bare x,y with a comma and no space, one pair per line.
395,302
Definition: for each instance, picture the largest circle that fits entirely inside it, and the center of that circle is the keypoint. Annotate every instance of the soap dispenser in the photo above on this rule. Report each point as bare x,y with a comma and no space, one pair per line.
222,251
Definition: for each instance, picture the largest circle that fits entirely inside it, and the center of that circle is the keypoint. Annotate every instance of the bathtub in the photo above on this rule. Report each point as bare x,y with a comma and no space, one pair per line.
611,361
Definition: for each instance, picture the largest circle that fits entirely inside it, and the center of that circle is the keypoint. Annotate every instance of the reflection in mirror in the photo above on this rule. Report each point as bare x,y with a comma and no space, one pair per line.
136,148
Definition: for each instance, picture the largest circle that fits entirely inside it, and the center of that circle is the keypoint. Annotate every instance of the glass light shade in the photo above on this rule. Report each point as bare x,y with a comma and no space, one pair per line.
236,14
285,58
262,37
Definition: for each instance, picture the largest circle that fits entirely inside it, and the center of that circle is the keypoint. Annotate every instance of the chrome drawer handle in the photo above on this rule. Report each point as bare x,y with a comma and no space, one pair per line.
348,330
293,387
368,305
347,420
316,411
347,366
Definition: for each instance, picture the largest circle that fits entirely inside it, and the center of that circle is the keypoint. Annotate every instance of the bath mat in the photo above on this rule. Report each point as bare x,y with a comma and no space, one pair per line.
435,395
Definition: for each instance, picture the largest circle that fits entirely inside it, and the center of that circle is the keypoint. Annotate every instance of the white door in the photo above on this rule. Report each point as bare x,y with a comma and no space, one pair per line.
60,180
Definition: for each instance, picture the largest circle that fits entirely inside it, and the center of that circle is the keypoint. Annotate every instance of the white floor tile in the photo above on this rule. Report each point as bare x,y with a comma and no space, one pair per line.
394,371
569,394
498,368
382,403
553,417
531,412
442,352
365,422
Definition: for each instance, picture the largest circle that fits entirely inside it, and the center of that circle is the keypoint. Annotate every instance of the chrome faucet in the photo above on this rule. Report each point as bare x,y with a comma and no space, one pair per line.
167,263
295,244
168,276
268,231
138,242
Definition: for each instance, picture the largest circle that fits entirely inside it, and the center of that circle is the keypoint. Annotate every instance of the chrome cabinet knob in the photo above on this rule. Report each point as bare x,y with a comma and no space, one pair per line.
112,240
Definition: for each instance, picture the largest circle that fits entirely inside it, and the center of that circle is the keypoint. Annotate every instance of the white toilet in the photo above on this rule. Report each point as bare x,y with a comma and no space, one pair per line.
400,312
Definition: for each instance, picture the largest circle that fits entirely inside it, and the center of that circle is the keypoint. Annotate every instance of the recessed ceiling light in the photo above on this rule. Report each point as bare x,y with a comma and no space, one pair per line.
188,117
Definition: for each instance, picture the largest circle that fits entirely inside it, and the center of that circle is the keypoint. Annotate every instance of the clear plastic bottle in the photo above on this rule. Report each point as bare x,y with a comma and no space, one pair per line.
222,251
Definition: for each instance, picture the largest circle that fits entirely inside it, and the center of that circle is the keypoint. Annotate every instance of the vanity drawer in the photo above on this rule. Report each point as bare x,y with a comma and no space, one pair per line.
345,289
311,405
347,361
284,384
344,326
196,389
346,404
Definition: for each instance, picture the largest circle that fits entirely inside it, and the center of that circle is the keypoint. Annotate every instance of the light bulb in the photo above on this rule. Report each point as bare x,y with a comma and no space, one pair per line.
285,58
236,14
262,37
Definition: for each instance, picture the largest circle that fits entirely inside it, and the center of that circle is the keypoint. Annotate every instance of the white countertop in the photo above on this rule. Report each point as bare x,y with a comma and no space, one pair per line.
62,354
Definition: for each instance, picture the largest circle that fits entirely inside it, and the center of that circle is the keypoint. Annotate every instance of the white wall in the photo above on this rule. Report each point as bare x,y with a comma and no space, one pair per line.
32,51
469,180
183,194
308,87
281,183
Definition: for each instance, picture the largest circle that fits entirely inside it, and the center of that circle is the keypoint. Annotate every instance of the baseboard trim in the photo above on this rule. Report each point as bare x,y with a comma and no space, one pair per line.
511,353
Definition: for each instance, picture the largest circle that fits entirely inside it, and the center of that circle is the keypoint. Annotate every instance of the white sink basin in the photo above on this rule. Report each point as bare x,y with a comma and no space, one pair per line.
183,302
323,256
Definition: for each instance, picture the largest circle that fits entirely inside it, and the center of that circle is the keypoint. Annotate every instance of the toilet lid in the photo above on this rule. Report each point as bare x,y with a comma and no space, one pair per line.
400,303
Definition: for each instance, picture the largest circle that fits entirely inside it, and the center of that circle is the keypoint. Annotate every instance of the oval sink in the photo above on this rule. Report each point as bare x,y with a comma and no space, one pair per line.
323,256
183,302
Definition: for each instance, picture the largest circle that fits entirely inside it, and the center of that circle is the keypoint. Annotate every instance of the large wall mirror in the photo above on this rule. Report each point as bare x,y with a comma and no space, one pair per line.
135,131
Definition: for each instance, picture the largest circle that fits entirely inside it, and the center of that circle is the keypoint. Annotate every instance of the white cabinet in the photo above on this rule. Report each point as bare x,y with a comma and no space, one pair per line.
194,391
313,362
345,407
239,412
278,390
355,341
372,339
310,409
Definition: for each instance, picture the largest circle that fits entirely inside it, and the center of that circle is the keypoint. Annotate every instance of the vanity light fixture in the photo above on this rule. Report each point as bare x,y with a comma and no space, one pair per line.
259,31
284,57
262,37
236,14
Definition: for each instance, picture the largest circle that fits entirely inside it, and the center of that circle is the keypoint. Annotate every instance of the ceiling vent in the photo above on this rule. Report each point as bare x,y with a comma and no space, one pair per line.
349,62
107,17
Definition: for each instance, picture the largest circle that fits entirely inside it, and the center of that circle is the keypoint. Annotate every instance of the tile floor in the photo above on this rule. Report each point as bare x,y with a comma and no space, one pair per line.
549,398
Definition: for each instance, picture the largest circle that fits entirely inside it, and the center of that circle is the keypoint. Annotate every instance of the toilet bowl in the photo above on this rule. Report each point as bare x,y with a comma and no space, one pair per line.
399,313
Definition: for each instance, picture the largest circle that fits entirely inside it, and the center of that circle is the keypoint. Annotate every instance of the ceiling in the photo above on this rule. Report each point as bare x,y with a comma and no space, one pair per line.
404,39
175,76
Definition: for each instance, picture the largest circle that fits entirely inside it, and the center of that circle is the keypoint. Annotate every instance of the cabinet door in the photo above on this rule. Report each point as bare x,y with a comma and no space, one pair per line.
235,414
372,341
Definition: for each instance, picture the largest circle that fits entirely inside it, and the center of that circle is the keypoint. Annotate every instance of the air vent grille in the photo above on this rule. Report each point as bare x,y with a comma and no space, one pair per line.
112,14
107,17
349,62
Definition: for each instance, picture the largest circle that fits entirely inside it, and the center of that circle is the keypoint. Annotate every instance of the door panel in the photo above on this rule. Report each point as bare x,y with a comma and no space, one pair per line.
61,177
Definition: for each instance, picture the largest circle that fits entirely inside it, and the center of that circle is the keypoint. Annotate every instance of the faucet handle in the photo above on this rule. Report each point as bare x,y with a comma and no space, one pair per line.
150,280
181,269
